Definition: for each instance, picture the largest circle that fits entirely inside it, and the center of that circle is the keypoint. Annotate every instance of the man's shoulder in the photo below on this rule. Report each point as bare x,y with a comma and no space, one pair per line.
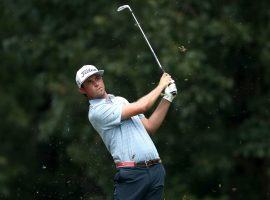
96,108
103,104
122,99
106,106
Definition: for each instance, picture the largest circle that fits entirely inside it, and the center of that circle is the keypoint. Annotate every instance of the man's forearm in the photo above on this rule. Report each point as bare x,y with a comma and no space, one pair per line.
141,105
148,100
158,116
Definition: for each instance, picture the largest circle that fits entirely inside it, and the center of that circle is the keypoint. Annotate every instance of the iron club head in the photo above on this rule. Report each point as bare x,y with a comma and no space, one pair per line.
123,7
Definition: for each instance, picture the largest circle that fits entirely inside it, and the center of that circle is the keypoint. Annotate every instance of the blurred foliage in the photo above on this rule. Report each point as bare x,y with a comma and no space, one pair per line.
215,140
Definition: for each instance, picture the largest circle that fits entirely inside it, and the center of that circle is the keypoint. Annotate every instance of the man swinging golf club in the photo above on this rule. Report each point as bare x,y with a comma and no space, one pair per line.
125,131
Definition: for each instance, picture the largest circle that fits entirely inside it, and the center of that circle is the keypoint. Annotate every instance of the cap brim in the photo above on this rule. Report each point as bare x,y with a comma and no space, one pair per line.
100,72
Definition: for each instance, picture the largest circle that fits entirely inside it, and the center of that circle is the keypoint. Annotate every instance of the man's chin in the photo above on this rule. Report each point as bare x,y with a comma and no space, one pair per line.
100,95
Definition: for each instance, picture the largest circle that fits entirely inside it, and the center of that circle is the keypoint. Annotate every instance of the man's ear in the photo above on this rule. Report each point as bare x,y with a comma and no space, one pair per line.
82,90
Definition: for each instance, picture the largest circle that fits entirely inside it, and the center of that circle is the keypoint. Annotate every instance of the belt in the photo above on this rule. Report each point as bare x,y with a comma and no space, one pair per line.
147,163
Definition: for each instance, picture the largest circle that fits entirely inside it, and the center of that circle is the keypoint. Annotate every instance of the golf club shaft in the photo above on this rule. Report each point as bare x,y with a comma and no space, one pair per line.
154,54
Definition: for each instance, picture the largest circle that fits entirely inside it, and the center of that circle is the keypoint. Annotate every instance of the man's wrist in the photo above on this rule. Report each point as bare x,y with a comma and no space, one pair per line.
160,88
168,97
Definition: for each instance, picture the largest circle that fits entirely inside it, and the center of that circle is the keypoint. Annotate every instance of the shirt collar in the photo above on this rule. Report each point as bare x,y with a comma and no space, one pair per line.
103,100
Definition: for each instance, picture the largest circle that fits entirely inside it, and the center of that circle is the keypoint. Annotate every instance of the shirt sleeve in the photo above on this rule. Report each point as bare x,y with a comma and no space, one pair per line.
127,102
141,116
107,116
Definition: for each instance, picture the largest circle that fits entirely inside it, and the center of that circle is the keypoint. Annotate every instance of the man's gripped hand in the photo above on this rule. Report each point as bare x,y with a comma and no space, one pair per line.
170,91
165,80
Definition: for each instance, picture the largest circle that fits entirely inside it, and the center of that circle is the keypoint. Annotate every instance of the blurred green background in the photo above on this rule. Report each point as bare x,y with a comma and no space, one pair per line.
215,142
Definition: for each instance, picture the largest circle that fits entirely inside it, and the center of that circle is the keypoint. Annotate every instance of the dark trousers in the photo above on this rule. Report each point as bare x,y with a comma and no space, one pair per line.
139,183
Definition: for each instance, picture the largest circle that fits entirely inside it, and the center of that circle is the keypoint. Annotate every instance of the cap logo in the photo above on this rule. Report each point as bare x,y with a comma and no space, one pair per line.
87,71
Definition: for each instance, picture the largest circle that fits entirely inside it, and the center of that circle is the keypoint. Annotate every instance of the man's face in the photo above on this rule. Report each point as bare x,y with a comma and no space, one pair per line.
94,87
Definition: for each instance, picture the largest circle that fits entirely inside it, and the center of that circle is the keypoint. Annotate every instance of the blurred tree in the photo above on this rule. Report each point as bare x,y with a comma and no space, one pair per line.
215,141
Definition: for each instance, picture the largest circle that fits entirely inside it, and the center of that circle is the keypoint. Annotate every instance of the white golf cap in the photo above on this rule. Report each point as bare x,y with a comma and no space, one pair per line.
85,72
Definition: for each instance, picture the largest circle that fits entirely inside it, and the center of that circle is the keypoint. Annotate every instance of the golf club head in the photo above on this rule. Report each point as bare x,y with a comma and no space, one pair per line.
123,7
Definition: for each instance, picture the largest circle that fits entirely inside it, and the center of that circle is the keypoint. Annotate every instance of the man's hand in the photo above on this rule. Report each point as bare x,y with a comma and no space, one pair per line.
170,92
165,80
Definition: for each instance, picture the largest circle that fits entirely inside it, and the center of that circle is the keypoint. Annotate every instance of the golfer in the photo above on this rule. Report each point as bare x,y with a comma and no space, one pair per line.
125,131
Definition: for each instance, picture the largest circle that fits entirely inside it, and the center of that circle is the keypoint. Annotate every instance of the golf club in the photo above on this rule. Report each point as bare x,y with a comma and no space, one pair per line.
154,54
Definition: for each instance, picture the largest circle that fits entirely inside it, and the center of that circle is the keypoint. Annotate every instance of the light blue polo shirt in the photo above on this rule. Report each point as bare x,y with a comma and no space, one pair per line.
126,140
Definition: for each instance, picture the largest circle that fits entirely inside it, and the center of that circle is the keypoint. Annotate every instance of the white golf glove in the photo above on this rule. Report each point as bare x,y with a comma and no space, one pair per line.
170,92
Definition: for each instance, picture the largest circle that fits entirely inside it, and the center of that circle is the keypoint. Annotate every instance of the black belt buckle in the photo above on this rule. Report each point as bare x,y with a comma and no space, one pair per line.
145,162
